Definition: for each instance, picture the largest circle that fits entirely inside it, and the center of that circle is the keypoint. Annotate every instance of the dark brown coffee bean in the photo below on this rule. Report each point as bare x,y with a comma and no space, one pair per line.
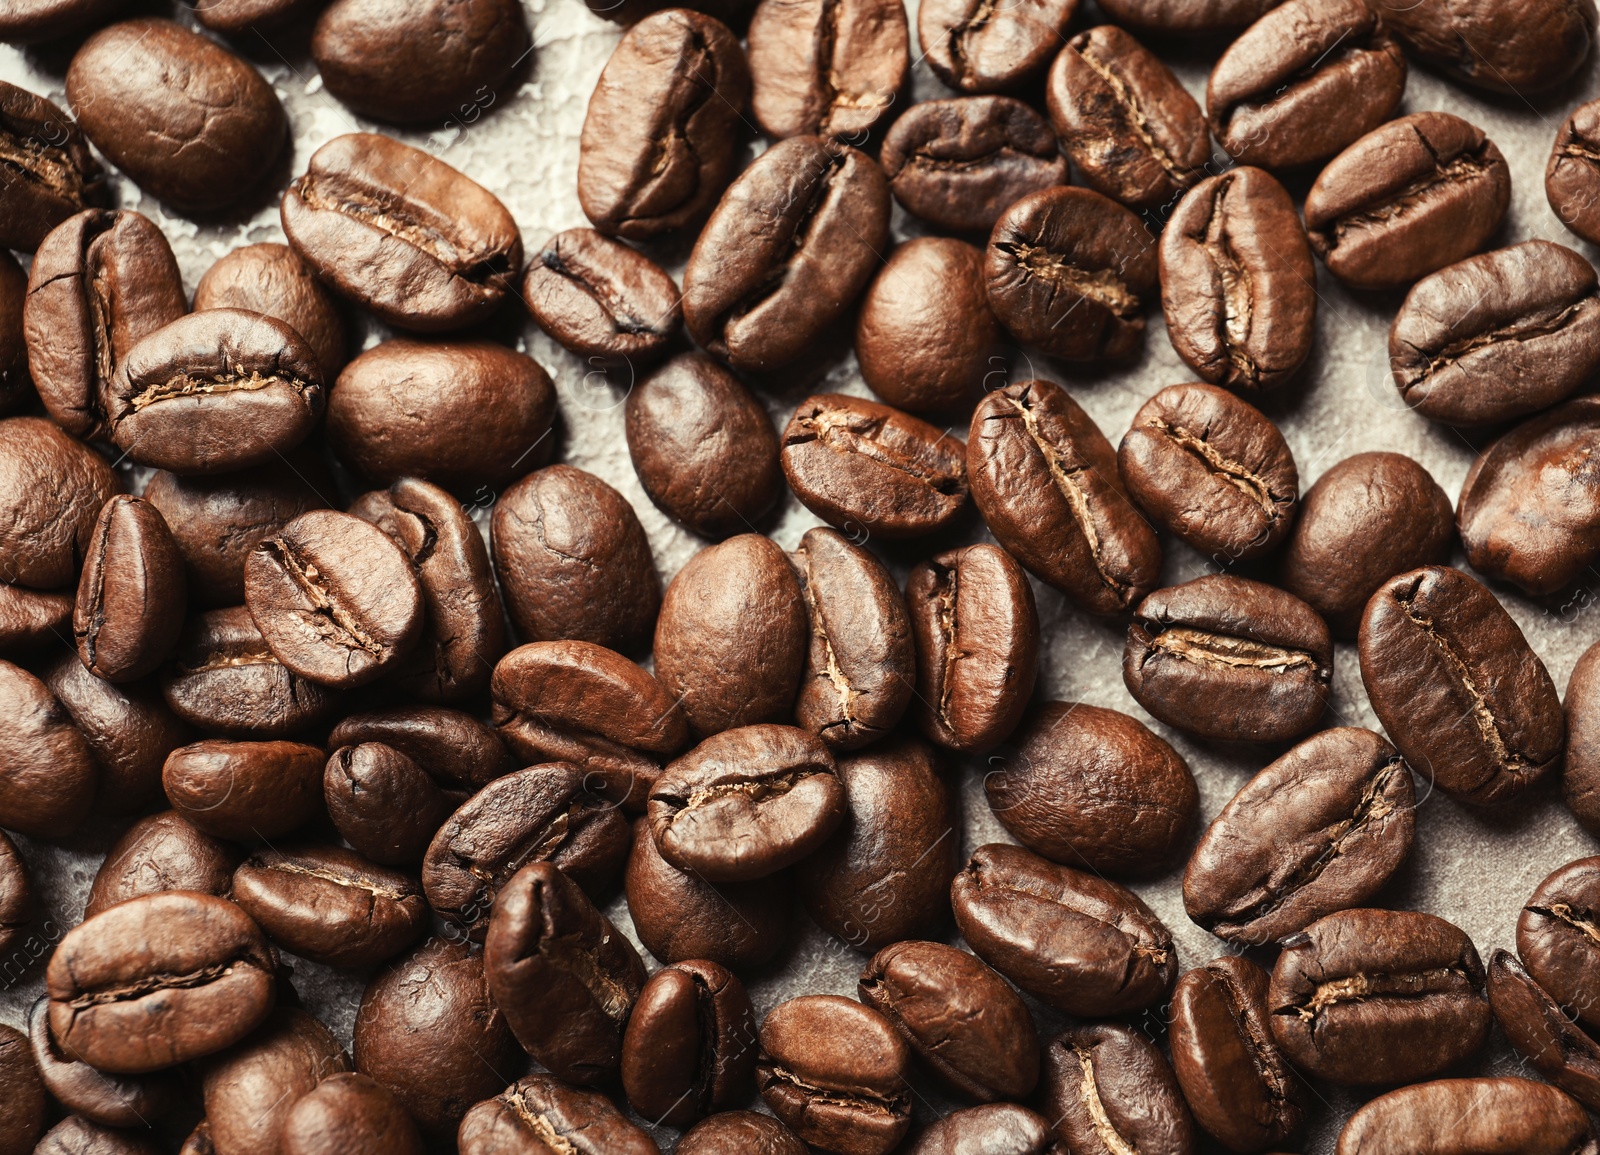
1212,469
1238,285
1527,512
33,621
1079,943
977,636
47,769
1410,197
1185,17
439,61
978,47
703,446
731,640
1571,179
404,235
740,1133
1378,996
52,489
958,1016
250,1090
959,163
1528,47
455,748
76,1135
245,791
830,68
111,1100
16,894
233,17
602,300
348,1114
1555,937
1540,1031
383,804
159,980
1580,775
1458,1115
754,295
131,595
1125,120
574,562
1108,1089
539,1114
690,1047
53,173
23,1110
1046,481
1096,789
1457,687
660,139
269,279
162,852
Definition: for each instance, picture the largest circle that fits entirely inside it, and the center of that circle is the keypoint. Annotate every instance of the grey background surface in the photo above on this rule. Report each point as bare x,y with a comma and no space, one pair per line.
1472,868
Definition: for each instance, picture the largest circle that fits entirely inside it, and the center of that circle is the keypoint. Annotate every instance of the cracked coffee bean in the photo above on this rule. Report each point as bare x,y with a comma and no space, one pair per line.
55,173
349,1114
602,300
269,279
690,1046
16,894
162,852
49,777
992,1129
1530,47
250,1089
1109,1089
245,791
131,596
538,1113
1572,174
1540,1031
978,46
457,749
1580,774
1457,687
384,804
831,68
134,1101
1457,1116
740,1133
1558,937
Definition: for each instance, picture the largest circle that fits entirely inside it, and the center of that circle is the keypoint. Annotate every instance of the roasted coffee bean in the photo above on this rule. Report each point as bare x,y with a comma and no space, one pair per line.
1211,469
54,174
250,1090
1096,789
1527,513
1410,197
1497,336
16,894
959,163
958,1016
159,980
336,599
680,916
870,469
1238,285
1079,943
978,47
245,791
977,635
1378,996
703,446
826,68
1108,1089
161,852
110,1100
574,562
731,641
426,63
1233,1076
455,748
1580,775
539,1113
269,279
28,21
1319,830
233,17
992,1129
1540,1031
1185,17
1303,82
1555,937
834,1072
16,387
429,1034
52,489
129,729
588,706
1046,481
348,1114
746,803
76,1135
32,621
1529,48
660,139
925,338
1449,1116
1572,174
541,814
1230,659
602,300
47,769
789,248
565,977
402,234
1457,687
383,804
740,1133
690,1047
23,1110
1125,120
131,595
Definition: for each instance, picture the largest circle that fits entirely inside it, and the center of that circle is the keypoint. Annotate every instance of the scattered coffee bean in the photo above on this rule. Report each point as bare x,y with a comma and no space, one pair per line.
250,1090
131,595
1572,175
33,621
690,1047
162,852
52,489
831,68
539,1113
1580,774
56,174
1107,1087
602,300
1540,1031
133,1101
245,791
232,17
270,279
1530,48
1555,937
49,774
455,748
1184,18
1455,1116
384,804
348,1114
740,1133
977,47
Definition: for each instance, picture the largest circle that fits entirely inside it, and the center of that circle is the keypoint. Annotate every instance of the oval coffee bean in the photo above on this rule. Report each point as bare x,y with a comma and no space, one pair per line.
250,1090
831,69
1410,197
24,1112
602,300
959,1017
1185,17
58,174
52,489
1096,789
1453,1115
1378,996
161,852
1580,773
455,748
232,17
1238,285
384,804
404,235
1530,48
1571,179
158,981
689,1049
47,768
660,139
1108,1088
269,279
1540,1031
16,894
75,1135
978,47
1079,943
32,620
245,791
111,1100
1556,939
131,596
349,1114
1211,469
1457,687
1125,120
539,1113
1046,481
740,1133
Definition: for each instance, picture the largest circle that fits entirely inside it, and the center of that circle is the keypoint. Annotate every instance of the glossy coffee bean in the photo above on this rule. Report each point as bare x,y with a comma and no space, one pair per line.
16,894
133,1101
703,446
1133,131
1183,17
1095,789
1046,481
269,279
1580,775
602,300
33,621
49,774
974,47
1454,1116
992,1129
539,1113
162,852
690,1047
52,489
1457,688
440,254
740,1133
23,1111
1555,941
59,176
1077,942
457,749
959,1017
1540,1031
244,791
1572,174
250,1089
1529,48
1410,197
573,561
959,163
131,595
384,804
1107,1087
1238,284
234,17
76,1135
826,69
348,1114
